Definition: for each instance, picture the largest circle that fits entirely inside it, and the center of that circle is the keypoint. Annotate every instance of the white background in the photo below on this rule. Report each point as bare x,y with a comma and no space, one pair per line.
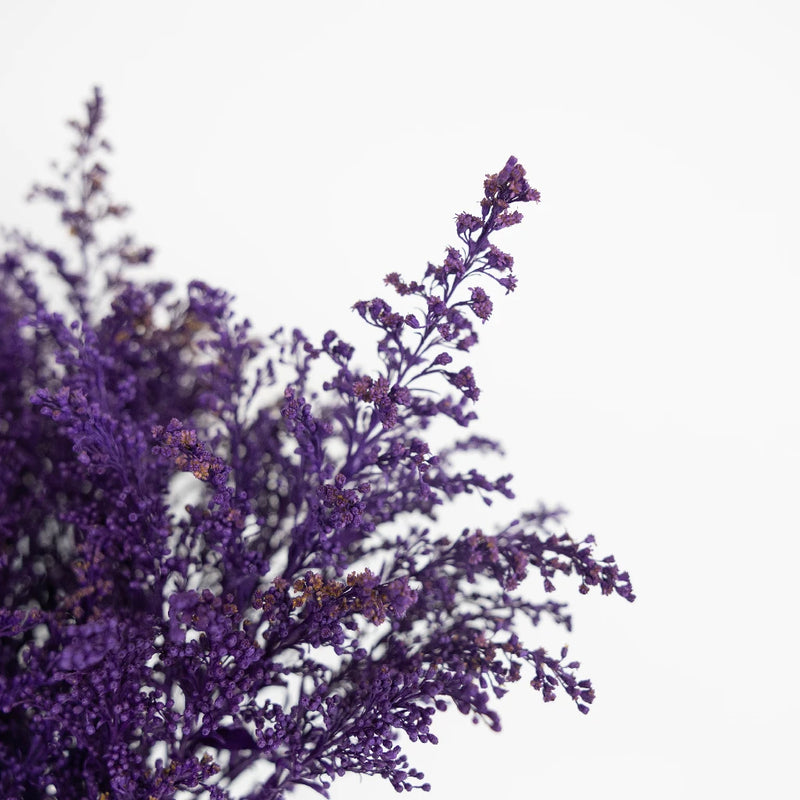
645,373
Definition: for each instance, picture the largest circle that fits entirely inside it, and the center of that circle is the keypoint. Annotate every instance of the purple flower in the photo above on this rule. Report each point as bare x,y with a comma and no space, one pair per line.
480,303
209,561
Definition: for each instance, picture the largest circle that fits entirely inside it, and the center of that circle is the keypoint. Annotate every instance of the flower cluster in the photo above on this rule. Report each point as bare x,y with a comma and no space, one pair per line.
208,562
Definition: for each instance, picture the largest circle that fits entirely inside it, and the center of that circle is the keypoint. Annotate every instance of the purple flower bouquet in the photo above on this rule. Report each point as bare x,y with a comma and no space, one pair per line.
210,560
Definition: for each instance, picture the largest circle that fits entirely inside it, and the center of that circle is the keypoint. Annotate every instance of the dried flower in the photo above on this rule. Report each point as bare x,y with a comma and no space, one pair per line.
196,579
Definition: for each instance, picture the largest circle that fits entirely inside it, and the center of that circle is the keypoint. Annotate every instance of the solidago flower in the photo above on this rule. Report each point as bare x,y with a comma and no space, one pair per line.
208,561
